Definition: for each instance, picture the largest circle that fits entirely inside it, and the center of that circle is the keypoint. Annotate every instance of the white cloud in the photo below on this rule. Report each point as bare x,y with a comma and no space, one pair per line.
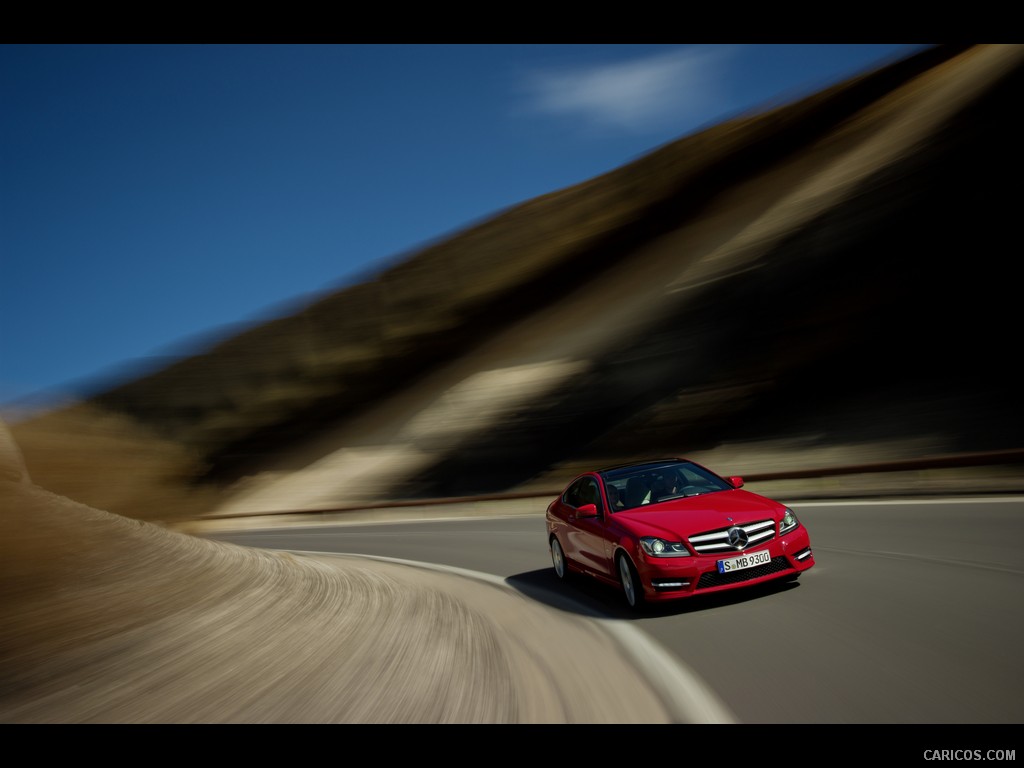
680,86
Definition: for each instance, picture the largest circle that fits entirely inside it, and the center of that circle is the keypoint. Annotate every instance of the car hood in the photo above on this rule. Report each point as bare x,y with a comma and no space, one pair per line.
708,512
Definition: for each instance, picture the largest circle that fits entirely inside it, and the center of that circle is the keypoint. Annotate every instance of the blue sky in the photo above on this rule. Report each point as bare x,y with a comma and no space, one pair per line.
153,197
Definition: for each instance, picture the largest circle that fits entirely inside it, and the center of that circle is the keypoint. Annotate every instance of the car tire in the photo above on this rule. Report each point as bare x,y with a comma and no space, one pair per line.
558,559
630,581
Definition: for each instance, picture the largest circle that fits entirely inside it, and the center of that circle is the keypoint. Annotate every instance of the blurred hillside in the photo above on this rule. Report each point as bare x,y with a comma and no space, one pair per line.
830,281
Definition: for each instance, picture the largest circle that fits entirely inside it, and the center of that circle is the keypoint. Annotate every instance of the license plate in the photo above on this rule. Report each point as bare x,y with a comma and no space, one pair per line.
748,560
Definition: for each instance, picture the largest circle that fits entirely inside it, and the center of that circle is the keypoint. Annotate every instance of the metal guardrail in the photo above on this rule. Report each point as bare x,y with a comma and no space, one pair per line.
949,461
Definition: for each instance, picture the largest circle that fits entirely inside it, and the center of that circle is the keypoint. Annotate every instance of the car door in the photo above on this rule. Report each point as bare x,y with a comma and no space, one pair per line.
589,536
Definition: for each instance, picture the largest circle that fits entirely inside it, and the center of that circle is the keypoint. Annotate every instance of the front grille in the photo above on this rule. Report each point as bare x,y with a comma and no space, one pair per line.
715,579
713,542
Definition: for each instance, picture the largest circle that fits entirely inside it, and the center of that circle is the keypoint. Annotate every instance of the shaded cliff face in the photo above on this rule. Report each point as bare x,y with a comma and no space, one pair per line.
835,271
886,315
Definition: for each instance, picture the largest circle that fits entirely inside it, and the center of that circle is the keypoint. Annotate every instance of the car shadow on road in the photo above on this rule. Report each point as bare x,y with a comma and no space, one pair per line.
588,597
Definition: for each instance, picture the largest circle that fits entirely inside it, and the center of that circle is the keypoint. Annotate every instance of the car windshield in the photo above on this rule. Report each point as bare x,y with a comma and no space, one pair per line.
637,485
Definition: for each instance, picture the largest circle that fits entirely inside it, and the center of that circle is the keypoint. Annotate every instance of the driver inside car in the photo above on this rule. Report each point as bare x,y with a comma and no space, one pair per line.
665,486
614,500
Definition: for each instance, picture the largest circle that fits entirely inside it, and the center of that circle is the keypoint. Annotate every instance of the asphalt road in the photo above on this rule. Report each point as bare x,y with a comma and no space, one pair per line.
912,613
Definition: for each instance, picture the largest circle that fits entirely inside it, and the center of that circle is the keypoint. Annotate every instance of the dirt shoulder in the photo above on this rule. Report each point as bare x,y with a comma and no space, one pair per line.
112,620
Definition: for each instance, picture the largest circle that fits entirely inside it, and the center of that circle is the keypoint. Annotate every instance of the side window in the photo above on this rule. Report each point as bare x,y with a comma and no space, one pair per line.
584,491
574,494
569,497
591,494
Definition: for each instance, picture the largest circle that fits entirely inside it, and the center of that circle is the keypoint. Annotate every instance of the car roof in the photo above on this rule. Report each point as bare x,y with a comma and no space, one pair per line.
647,464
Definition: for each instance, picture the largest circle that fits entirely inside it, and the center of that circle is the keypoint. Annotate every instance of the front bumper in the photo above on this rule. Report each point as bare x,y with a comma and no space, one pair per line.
667,578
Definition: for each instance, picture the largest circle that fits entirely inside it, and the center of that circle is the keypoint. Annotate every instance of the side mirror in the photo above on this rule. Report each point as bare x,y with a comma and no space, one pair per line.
587,510
736,481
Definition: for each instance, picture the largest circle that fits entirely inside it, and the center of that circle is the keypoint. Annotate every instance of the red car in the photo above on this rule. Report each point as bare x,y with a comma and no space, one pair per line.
669,529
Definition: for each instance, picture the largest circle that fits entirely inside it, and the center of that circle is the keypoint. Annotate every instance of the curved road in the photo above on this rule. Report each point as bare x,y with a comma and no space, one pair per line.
911,615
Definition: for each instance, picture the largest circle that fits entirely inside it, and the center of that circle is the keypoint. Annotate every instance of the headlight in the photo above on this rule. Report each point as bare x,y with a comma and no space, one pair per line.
788,522
656,547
